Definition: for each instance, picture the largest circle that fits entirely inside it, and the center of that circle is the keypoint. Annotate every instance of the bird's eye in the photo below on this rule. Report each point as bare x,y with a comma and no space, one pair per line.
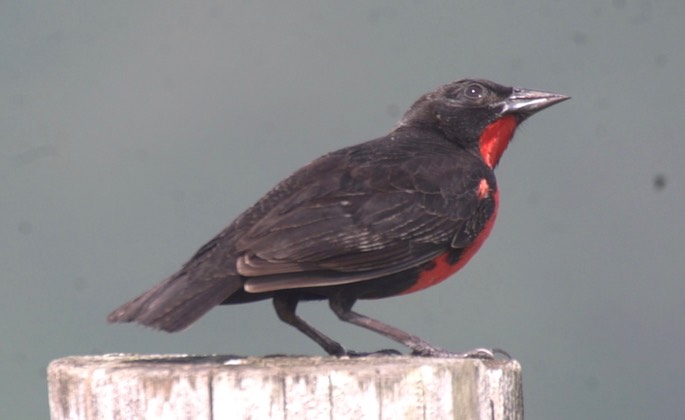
474,91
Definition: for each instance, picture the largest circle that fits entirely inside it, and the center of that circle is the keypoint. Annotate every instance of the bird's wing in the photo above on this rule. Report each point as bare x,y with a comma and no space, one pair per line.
363,222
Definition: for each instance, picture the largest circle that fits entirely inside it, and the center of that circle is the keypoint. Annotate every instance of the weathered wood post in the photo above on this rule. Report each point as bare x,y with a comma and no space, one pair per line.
125,387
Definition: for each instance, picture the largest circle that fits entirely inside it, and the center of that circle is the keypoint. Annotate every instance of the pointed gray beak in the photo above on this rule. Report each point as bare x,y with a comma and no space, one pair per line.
526,102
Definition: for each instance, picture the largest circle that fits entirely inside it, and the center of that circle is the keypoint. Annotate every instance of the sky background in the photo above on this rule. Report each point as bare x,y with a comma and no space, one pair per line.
132,132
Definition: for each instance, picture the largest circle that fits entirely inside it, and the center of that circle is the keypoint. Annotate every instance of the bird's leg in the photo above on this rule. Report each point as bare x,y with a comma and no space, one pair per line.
342,307
285,309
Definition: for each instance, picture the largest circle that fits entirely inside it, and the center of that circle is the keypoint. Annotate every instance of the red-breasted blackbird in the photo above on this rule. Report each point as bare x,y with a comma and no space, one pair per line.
386,217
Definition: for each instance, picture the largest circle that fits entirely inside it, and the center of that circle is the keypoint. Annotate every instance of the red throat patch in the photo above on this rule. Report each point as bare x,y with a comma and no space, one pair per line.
496,138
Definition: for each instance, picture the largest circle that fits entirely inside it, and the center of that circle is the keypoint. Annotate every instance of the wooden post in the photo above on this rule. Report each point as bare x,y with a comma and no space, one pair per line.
124,387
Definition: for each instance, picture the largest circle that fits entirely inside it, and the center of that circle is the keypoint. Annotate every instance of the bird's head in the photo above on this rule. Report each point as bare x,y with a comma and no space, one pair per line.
478,114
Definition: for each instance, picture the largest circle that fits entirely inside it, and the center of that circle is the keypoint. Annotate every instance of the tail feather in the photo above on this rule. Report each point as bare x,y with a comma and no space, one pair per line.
176,302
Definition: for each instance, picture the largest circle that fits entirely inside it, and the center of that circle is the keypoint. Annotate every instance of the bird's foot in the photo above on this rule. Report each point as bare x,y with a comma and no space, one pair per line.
479,353
378,353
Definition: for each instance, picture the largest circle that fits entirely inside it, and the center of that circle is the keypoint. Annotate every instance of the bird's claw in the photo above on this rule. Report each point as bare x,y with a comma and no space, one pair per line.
479,353
427,350
383,352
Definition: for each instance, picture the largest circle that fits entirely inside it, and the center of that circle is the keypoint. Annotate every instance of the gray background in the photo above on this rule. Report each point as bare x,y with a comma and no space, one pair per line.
132,132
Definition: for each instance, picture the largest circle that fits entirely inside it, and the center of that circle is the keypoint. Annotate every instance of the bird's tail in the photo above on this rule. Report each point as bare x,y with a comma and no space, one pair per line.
177,302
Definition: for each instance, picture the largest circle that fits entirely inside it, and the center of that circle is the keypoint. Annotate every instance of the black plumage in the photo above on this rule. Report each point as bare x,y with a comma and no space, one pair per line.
361,222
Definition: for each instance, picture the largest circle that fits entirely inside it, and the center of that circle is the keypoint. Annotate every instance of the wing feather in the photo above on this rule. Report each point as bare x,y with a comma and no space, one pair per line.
362,222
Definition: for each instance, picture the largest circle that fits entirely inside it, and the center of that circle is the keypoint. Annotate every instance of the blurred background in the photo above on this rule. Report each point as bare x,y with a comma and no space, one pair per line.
132,132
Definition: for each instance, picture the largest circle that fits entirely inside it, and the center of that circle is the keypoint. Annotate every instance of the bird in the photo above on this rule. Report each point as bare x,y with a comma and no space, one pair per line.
386,217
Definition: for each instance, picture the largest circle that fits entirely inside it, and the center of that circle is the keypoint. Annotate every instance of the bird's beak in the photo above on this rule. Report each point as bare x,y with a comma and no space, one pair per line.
526,102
